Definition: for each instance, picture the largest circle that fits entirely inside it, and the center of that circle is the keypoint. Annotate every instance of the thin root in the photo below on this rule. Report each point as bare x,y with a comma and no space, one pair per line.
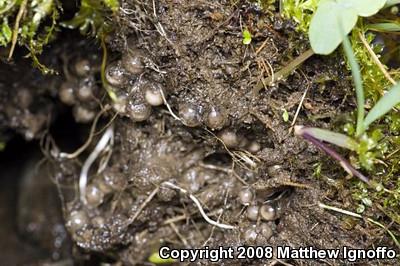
198,204
88,141
100,147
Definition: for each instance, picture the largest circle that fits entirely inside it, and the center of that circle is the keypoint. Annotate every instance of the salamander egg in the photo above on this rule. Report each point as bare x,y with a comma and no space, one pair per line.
267,212
266,231
229,138
66,92
190,114
152,93
85,89
246,196
138,111
115,74
250,234
94,196
216,118
82,67
134,61
252,212
254,147
119,105
194,178
82,114
77,220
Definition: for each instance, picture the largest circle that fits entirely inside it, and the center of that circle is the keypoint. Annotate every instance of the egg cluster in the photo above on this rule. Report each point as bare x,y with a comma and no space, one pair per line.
81,89
136,93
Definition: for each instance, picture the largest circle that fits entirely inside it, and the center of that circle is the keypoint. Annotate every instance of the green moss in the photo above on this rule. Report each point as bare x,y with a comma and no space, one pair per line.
92,17
34,24
300,11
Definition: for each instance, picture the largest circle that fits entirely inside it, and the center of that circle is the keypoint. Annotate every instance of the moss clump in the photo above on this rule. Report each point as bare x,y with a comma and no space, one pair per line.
34,24
300,11
91,17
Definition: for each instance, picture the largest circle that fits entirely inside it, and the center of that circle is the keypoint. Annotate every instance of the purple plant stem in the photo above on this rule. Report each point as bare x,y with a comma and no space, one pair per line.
343,162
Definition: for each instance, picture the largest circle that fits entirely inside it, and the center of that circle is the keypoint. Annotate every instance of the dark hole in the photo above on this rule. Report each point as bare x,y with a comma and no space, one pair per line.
218,159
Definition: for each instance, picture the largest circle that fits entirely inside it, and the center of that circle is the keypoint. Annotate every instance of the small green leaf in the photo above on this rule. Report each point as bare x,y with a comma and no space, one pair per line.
285,115
6,31
246,36
384,105
156,259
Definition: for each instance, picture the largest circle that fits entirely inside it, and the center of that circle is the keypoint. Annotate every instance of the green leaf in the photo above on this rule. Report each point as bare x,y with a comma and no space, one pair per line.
384,105
384,27
246,36
364,8
6,32
325,34
285,115
337,139
156,259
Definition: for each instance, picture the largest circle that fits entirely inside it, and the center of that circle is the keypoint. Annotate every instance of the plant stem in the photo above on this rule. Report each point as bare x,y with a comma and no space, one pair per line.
332,153
355,70
106,86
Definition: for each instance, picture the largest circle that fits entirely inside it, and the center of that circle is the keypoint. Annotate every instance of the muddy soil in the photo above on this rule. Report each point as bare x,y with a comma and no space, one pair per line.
124,176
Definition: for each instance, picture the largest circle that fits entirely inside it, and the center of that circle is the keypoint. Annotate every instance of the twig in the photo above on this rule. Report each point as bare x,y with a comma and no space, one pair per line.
197,203
284,71
299,107
16,27
144,204
101,145
376,59
185,242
